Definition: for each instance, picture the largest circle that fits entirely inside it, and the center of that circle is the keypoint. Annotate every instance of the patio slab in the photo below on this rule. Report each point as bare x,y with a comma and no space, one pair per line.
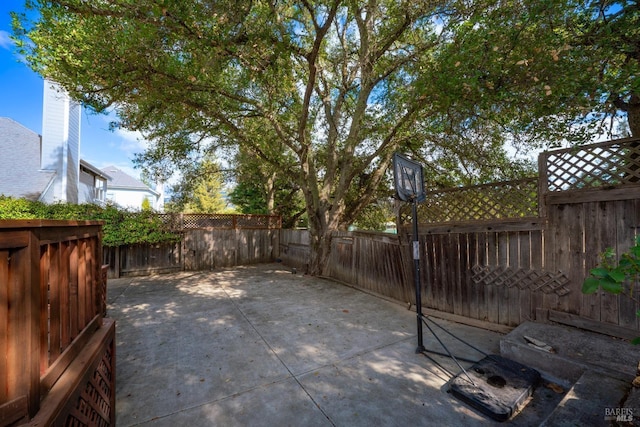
261,346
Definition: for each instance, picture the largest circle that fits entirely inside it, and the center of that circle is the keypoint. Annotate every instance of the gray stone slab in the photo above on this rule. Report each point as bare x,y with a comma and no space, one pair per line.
590,402
575,351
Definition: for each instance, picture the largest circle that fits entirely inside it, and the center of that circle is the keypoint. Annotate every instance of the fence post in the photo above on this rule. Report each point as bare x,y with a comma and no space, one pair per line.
543,182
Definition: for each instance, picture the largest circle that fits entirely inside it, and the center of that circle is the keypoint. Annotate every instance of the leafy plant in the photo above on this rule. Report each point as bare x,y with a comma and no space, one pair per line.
617,277
121,226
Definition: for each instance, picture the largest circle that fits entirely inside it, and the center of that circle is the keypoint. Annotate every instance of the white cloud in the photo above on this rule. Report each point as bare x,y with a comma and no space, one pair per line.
124,140
5,40
131,142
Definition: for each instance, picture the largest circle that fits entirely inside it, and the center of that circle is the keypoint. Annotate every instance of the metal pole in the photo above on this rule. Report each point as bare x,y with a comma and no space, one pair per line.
416,273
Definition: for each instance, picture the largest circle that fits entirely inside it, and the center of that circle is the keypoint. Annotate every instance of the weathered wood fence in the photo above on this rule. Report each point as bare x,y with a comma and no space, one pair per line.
508,252
208,241
57,352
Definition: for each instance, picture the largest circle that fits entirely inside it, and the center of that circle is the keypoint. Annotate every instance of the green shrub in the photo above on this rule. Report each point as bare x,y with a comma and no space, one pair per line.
121,226
618,277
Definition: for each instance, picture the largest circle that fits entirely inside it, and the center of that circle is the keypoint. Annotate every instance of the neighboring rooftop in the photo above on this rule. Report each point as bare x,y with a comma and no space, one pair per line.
20,173
121,180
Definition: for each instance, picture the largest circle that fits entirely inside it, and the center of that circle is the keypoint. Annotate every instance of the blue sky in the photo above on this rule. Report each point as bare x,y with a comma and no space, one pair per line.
21,100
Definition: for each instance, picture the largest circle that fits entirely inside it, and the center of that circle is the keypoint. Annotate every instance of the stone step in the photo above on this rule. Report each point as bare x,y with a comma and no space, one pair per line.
594,400
596,369
575,352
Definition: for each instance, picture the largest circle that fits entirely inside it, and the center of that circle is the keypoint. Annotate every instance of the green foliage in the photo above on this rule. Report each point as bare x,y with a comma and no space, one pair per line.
11,208
121,226
375,217
200,188
248,198
616,277
263,189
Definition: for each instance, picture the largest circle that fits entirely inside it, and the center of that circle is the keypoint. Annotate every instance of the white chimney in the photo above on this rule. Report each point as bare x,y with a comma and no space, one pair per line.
61,143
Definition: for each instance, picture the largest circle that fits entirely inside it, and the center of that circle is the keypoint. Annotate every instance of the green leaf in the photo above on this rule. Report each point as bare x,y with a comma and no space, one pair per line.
635,341
617,275
590,285
611,287
599,272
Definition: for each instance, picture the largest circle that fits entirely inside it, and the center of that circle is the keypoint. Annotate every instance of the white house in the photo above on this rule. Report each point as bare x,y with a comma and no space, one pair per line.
48,168
129,192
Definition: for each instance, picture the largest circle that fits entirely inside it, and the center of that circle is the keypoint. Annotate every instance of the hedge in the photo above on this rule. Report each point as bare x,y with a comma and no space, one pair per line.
121,226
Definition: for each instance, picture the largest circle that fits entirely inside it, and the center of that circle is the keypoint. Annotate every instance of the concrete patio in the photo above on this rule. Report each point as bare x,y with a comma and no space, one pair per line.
260,346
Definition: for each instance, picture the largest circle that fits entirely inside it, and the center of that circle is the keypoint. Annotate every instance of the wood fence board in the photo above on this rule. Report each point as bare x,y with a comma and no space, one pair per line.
43,310
609,303
572,302
444,294
18,331
437,281
74,326
82,284
537,264
65,332
470,262
464,268
590,304
33,300
480,289
427,271
525,311
502,291
55,285
5,293
454,294
513,292
626,227
552,248
492,295
90,301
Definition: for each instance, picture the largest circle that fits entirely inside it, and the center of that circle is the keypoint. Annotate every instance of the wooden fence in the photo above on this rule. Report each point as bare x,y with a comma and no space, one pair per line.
506,264
199,249
57,352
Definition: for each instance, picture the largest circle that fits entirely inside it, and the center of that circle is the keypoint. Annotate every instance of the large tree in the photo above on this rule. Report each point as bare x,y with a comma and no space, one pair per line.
324,91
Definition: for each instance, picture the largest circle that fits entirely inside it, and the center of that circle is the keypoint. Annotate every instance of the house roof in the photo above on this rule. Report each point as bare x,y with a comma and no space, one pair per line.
119,180
20,173
94,169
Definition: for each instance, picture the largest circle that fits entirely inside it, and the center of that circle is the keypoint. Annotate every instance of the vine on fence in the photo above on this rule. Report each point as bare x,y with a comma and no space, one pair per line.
617,277
121,226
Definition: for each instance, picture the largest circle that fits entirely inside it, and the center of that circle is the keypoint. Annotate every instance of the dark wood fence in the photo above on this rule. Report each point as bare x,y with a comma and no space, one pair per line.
57,352
499,261
208,242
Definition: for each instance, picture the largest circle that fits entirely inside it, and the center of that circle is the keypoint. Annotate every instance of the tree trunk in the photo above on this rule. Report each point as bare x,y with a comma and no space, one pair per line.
271,193
633,115
320,249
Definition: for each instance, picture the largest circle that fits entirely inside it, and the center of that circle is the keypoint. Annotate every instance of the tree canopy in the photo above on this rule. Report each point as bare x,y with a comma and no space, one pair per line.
325,91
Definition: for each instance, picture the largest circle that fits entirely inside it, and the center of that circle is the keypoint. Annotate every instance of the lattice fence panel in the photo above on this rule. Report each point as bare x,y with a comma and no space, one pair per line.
510,199
220,221
593,166
535,280
204,221
93,406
